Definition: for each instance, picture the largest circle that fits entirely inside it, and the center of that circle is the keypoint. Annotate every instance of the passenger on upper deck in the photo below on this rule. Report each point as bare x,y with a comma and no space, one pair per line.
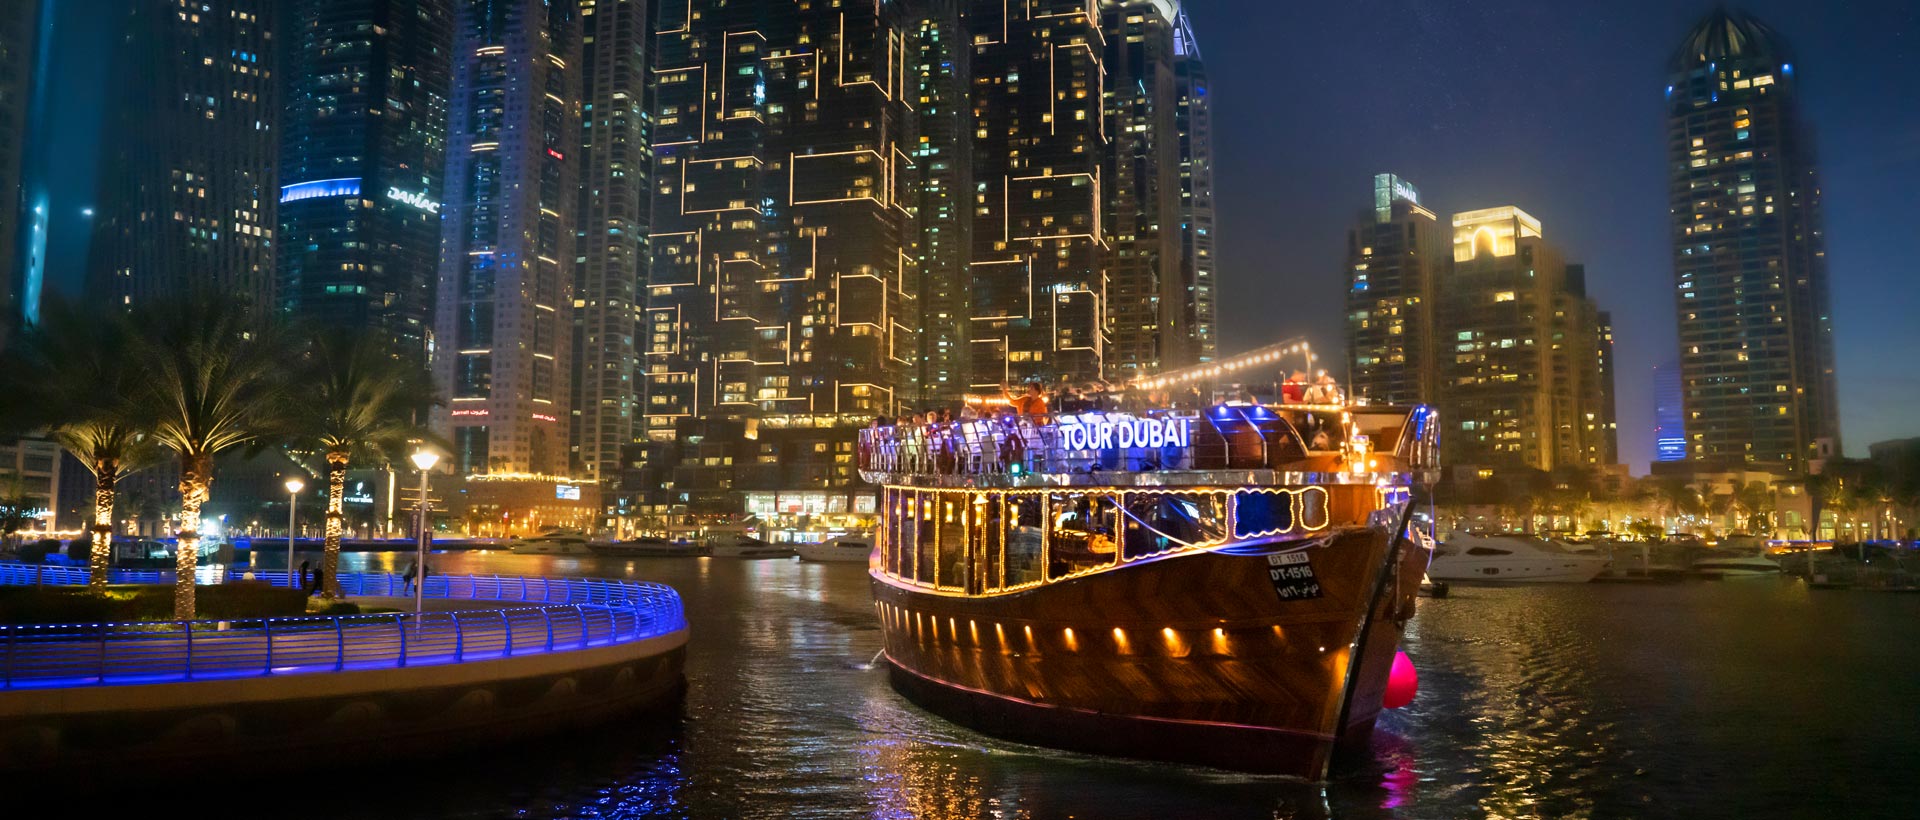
1033,402
1324,391
1294,390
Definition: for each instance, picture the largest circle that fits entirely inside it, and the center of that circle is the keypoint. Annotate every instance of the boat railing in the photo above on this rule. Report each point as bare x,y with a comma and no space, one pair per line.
536,615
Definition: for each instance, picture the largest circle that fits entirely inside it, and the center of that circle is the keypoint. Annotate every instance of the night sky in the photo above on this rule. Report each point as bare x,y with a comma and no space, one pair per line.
1556,108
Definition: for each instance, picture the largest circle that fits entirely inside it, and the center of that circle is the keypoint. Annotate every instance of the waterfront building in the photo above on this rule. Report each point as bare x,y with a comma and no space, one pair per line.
1148,296
1397,253
1519,376
1194,119
188,183
1040,253
1749,253
363,148
23,207
784,276
1598,407
30,469
616,162
940,71
504,314
1669,426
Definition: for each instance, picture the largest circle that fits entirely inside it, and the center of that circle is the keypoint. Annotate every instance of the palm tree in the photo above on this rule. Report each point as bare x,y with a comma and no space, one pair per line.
1679,497
75,375
360,400
213,379
1756,499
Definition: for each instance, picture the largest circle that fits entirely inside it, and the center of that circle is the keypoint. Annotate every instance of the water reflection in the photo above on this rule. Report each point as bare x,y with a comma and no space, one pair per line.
1596,701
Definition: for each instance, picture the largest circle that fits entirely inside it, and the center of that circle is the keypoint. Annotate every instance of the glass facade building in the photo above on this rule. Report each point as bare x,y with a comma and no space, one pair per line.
1749,256
362,154
1194,119
189,183
1396,254
503,323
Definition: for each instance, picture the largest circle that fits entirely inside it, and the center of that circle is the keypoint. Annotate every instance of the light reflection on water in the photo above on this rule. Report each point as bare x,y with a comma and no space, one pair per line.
1733,699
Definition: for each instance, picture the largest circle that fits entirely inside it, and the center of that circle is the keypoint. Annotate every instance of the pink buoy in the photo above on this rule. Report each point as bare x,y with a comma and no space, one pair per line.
1402,682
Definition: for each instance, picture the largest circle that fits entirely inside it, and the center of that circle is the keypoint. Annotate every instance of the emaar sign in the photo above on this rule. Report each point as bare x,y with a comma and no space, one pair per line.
1106,432
419,200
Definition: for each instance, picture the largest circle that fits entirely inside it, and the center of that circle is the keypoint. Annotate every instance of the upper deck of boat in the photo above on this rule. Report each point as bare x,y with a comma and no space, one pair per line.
1227,444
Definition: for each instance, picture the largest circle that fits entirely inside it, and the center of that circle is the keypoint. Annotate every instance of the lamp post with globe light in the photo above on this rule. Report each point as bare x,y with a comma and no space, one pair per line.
294,486
423,459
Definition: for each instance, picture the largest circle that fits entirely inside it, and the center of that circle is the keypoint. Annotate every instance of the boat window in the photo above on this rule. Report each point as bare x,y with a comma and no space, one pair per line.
989,534
1026,529
1487,551
1082,534
1161,522
926,562
903,540
951,513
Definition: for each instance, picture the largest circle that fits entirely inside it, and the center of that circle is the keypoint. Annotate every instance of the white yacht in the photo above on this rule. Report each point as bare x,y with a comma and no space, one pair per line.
746,546
847,549
553,542
1511,559
1748,565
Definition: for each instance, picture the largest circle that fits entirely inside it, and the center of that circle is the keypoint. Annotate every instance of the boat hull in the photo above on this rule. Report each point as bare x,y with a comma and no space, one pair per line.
1195,658
1568,569
829,553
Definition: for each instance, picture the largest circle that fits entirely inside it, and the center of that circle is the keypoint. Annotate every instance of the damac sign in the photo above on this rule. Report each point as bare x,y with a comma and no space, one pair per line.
1108,432
416,200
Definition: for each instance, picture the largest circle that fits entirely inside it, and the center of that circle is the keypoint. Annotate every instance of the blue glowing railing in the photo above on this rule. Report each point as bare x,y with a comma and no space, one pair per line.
560,614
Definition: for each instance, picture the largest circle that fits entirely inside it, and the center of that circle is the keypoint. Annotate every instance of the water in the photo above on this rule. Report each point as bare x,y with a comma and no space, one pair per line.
1734,699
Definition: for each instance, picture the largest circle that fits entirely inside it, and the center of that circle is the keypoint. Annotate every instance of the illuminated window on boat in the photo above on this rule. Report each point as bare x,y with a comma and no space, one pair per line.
988,533
950,519
926,561
1026,533
1082,536
1163,522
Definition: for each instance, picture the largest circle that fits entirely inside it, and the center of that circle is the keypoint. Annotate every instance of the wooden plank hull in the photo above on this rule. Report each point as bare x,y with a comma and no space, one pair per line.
1194,658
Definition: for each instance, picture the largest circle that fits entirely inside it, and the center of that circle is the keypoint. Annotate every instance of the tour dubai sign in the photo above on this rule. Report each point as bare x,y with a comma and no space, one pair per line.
1106,432
418,200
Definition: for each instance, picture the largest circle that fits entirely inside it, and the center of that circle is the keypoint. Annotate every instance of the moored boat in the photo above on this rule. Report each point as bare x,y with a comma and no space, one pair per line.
745,546
1727,567
648,548
1198,588
552,542
848,549
1511,559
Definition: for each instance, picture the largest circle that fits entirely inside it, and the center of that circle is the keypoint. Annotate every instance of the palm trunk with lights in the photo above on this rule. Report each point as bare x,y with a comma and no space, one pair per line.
196,484
100,557
336,495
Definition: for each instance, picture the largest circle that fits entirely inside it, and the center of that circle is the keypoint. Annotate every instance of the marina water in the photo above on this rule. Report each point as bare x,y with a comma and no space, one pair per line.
1732,699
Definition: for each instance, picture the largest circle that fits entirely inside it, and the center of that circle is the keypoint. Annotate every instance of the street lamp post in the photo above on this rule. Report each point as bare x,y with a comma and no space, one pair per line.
294,486
423,459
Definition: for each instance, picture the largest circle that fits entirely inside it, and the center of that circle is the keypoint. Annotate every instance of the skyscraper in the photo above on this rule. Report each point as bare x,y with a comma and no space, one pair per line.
1756,332
783,282
1040,253
1518,357
939,67
610,258
1149,296
503,324
188,183
1194,119
22,227
1669,414
1397,253
363,149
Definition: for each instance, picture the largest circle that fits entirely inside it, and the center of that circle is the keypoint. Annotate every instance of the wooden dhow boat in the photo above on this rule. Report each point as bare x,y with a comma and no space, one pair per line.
1194,587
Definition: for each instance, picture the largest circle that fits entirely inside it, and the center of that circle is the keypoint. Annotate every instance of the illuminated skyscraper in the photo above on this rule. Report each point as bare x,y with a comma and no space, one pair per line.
1040,253
504,318
940,69
1756,331
784,280
188,184
1149,298
611,241
1519,355
1194,119
1396,255
1669,414
362,153
23,207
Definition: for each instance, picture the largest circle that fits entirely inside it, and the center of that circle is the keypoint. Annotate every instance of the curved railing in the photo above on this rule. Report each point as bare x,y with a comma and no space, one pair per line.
552,615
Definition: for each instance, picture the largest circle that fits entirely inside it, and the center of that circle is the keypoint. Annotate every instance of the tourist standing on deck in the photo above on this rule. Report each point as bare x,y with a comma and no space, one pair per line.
1030,403
1294,389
